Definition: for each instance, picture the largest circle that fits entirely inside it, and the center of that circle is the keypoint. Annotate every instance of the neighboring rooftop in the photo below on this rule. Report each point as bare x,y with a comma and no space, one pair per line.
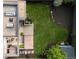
11,2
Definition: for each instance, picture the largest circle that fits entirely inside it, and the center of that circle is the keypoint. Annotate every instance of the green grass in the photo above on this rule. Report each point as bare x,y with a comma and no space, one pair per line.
45,31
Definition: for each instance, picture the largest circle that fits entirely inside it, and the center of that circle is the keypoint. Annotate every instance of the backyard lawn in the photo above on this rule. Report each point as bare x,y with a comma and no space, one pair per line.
45,31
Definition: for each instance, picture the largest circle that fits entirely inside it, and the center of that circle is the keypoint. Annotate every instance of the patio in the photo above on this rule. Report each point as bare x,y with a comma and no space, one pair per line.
28,38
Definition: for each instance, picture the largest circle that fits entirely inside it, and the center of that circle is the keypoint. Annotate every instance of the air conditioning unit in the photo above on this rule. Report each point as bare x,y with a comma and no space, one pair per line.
10,25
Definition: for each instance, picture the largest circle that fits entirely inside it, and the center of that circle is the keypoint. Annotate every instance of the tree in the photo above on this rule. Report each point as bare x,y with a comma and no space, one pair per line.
55,53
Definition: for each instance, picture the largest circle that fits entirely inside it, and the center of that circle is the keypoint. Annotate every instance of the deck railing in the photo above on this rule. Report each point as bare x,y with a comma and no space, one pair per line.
26,51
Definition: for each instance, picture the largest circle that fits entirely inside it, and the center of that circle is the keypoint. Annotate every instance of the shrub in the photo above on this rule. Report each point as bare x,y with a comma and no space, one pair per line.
60,34
69,1
55,53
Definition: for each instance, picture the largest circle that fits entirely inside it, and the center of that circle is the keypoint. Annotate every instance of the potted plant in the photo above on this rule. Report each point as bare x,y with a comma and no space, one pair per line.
21,33
21,40
28,20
